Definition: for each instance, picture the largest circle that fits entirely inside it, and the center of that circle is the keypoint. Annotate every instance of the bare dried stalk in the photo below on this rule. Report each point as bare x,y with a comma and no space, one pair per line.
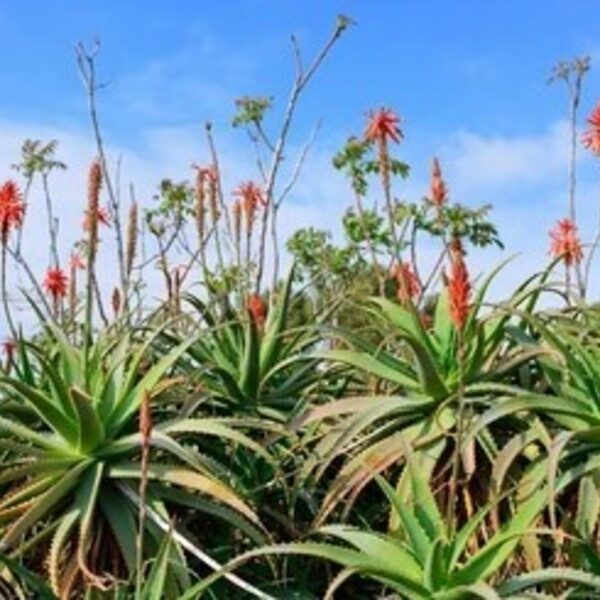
53,223
86,61
300,82
277,204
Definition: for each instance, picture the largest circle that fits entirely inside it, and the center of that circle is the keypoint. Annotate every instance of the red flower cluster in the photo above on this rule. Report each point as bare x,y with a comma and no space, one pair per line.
591,137
12,209
409,286
565,242
258,309
459,286
251,197
55,283
439,191
103,218
383,125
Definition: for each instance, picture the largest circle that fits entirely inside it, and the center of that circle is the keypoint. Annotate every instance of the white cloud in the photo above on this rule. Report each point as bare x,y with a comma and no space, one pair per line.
478,161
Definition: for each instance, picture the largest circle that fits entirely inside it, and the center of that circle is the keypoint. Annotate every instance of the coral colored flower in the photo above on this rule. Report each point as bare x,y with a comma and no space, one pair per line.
12,209
76,262
591,137
439,191
459,286
383,125
251,197
409,286
103,218
205,174
55,283
565,242
258,309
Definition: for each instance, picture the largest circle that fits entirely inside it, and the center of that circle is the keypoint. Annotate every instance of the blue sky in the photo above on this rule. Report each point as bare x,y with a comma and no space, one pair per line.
444,65
468,77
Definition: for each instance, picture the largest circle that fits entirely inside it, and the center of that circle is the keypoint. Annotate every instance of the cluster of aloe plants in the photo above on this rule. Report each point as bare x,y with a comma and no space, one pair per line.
370,425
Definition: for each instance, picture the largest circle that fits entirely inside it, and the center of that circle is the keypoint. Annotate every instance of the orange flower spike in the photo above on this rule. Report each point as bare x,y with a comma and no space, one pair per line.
565,242
591,137
251,198
258,310
409,286
383,125
439,190
12,209
55,283
459,286
145,422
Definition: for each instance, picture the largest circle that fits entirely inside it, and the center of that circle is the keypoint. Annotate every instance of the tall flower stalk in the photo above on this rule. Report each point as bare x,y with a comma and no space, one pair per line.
459,296
94,186
573,73
383,127
12,212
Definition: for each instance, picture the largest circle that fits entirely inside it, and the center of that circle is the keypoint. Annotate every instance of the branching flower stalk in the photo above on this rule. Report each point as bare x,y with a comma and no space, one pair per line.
573,73
86,61
301,80
382,126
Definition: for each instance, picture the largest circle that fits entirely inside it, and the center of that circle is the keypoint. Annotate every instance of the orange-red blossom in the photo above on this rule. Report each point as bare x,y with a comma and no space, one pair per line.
565,242
439,190
250,197
55,283
459,286
257,308
383,125
12,209
591,137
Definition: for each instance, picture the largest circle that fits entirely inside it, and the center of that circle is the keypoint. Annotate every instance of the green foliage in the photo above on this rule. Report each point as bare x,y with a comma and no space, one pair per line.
251,110
76,413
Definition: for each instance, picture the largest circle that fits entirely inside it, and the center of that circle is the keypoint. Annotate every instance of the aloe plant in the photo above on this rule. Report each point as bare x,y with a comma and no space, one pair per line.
420,373
566,429
424,558
244,368
69,428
